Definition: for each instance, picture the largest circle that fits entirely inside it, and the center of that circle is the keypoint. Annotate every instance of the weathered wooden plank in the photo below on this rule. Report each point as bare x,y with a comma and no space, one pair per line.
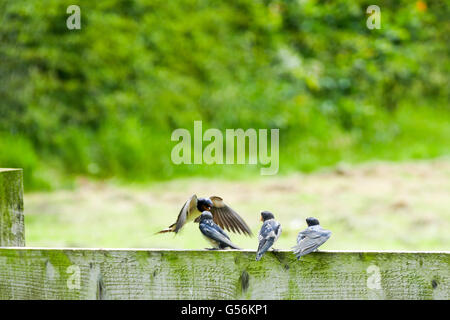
37,273
11,208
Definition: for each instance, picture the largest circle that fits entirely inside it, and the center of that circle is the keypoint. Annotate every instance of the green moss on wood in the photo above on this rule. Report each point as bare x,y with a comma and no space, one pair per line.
11,208
27,273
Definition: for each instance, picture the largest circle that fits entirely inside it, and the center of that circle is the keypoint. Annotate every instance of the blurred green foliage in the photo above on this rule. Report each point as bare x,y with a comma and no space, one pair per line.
102,101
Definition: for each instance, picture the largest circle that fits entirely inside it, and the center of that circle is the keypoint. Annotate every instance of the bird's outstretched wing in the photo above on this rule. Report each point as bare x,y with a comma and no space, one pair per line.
216,235
227,218
310,240
189,208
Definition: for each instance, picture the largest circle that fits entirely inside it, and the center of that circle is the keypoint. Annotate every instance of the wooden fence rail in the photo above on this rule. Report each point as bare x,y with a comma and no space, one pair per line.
36,273
73,273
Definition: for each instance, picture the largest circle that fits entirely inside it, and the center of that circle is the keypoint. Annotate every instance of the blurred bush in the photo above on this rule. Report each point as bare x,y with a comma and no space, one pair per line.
102,101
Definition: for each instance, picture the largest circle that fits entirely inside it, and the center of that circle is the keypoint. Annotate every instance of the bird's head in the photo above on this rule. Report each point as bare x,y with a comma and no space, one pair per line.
311,221
266,215
206,215
204,204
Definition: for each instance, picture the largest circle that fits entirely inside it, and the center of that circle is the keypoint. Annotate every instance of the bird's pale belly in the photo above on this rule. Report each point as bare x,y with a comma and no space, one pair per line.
194,215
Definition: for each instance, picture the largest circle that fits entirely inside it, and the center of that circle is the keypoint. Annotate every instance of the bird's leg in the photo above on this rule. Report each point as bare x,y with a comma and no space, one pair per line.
212,248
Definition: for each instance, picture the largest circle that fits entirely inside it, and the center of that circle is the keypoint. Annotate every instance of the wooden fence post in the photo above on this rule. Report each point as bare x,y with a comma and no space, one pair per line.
12,233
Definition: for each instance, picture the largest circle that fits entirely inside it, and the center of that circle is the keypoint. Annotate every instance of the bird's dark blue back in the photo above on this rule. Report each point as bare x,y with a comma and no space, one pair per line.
268,227
208,223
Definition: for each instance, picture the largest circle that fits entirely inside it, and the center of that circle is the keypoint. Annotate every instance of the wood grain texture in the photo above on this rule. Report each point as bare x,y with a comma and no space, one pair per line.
11,208
37,273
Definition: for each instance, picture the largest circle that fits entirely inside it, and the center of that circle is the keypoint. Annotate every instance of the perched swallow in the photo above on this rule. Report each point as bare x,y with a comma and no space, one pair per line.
222,214
311,238
269,233
213,233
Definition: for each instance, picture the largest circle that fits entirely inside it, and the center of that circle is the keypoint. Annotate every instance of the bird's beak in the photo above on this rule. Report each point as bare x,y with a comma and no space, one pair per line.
261,219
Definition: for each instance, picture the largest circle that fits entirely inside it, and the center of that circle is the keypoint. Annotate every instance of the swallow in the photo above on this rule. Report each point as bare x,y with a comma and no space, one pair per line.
311,238
269,233
222,214
213,233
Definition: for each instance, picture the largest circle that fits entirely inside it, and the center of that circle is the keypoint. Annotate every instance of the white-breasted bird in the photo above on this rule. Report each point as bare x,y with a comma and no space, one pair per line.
311,238
269,233
213,233
223,215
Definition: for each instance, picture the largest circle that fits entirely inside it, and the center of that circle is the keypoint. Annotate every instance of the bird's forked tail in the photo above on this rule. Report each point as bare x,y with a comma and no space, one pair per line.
269,242
171,228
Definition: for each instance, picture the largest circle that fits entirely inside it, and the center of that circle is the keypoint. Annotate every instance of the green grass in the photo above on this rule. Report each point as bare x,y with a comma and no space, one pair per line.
377,206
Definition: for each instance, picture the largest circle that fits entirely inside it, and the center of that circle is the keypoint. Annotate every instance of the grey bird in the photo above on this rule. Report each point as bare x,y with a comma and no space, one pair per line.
222,214
213,233
269,233
311,238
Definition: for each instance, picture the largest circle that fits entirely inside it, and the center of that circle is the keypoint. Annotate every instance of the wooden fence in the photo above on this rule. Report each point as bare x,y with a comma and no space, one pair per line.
72,273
